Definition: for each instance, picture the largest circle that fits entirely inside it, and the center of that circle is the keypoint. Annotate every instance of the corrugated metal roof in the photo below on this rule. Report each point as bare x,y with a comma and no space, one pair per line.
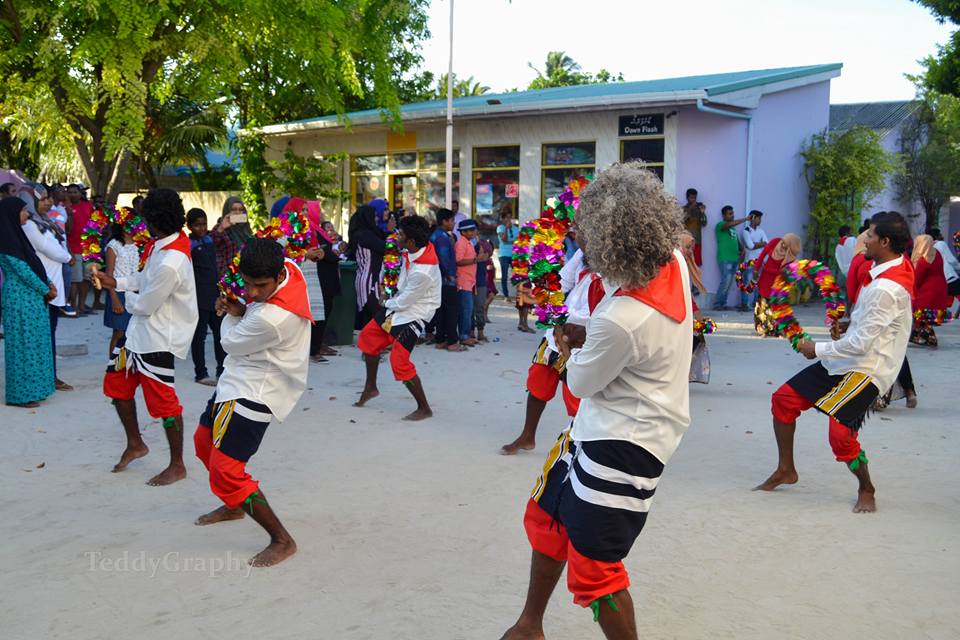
667,89
873,115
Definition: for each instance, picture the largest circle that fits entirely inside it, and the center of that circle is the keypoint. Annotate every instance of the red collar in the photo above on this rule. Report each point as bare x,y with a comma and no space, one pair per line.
664,293
429,256
292,294
902,274
181,243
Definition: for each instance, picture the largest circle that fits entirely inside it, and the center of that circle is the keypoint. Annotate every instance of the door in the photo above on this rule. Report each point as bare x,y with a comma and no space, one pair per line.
403,191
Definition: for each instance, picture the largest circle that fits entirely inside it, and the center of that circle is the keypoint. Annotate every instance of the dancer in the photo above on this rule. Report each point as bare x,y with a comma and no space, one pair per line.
856,368
931,293
700,359
405,315
777,254
631,368
584,291
162,302
267,343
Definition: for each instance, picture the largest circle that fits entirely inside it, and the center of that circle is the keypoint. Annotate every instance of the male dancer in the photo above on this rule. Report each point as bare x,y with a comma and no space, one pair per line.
268,345
631,371
162,301
406,314
856,368
584,290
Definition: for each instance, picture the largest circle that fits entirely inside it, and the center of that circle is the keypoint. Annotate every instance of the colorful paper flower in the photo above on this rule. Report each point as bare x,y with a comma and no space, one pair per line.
391,265
932,317
780,308
232,285
91,246
704,326
746,287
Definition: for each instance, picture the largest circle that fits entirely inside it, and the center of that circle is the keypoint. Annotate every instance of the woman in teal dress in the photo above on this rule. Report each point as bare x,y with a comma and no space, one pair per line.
28,355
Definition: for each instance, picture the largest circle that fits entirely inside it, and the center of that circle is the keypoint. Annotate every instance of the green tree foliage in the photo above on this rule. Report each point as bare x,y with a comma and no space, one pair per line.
845,170
560,70
95,63
942,71
931,154
308,177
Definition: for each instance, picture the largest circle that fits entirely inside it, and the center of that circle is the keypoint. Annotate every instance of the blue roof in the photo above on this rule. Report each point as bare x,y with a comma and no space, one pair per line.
711,85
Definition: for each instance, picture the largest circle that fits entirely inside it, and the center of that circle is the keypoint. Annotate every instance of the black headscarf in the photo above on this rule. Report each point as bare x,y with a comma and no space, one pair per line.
365,219
13,241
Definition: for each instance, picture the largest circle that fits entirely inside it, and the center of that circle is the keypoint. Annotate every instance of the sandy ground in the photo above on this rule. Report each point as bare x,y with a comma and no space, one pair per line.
414,530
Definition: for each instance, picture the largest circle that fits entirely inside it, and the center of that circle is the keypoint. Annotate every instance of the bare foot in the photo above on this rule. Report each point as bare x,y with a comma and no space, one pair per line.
168,476
221,514
778,478
866,502
129,455
520,444
517,632
274,553
368,394
911,401
419,414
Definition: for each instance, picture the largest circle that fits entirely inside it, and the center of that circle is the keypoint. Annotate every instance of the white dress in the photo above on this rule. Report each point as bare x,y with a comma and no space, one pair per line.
128,258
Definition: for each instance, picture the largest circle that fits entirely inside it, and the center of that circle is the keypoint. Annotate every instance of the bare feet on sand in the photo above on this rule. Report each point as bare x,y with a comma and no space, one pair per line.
221,514
419,414
516,632
368,394
274,553
779,477
129,455
866,502
168,476
520,444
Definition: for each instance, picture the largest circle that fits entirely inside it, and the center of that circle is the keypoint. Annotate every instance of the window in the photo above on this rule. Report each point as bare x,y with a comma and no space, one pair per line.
404,179
647,149
496,181
562,162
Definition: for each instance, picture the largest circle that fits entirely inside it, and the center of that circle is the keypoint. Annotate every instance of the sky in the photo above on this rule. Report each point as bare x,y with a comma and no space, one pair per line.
878,41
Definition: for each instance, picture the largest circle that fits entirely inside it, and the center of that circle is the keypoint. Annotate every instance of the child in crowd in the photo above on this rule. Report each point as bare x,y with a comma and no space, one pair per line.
206,275
123,259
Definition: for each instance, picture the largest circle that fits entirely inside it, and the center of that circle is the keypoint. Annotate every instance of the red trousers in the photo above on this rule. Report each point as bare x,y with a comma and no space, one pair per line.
229,479
787,407
587,579
161,399
542,383
373,340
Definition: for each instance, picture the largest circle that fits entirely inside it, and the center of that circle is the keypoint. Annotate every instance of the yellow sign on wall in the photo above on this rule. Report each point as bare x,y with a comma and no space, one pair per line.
401,141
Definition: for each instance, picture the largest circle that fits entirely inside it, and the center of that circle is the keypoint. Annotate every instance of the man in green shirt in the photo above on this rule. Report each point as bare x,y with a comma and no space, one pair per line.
728,256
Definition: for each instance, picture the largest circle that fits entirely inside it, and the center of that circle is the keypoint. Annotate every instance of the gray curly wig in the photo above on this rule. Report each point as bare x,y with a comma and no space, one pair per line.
629,223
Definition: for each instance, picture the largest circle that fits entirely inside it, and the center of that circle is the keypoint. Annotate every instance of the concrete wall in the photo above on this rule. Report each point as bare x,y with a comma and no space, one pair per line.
209,201
711,157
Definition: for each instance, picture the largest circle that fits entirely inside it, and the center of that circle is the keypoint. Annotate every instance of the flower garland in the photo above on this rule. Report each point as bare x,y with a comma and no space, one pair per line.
705,326
133,225
749,286
780,308
231,284
538,254
391,265
91,247
932,317
956,241
292,230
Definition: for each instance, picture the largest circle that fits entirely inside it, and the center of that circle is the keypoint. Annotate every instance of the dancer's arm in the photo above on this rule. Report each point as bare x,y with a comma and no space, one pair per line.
606,351
880,311
413,287
241,336
155,291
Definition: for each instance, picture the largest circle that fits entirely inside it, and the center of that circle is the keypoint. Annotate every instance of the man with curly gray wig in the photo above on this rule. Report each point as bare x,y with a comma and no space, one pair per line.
630,366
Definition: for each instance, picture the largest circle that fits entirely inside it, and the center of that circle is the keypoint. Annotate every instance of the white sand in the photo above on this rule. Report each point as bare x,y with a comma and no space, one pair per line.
414,530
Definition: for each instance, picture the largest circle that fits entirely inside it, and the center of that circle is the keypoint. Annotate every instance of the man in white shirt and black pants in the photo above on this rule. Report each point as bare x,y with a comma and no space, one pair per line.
630,366
162,301
856,368
268,345
753,239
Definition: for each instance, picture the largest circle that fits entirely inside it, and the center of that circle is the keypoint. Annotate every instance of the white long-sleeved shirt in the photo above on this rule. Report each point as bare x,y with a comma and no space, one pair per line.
632,374
844,253
162,301
576,290
418,290
750,237
52,254
876,340
267,356
951,266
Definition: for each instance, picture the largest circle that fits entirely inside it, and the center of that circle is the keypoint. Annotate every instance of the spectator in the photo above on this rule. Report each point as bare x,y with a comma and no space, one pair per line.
951,266
695,219
8,190
238,227
447,336
467,261
481,300
754,239
458,217
79,210
50,244
28,352
728,256
203,256
123,259
367,245
508,232
324,238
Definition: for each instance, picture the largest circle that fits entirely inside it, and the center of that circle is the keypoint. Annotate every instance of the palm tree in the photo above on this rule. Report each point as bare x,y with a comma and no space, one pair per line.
461,88
560,70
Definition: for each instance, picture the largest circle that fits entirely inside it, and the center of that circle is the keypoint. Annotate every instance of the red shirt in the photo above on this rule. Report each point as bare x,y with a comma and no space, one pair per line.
81,216
769,270
930,285
857,276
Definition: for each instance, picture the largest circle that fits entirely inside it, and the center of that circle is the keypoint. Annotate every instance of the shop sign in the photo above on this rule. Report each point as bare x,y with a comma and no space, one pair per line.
647,124
512,190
